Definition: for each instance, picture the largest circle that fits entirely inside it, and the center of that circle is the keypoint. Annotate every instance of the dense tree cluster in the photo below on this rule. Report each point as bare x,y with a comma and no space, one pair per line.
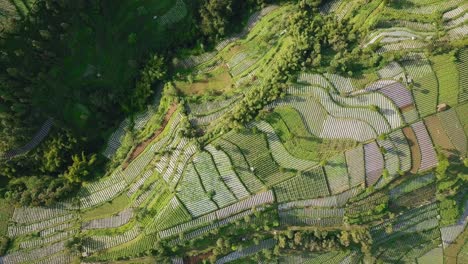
216,17
452,182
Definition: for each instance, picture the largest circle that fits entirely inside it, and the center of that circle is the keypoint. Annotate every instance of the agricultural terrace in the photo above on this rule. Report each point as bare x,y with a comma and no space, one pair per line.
265,148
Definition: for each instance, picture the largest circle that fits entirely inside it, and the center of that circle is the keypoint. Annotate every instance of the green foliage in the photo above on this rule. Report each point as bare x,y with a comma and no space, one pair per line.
216,16
154,71
79,171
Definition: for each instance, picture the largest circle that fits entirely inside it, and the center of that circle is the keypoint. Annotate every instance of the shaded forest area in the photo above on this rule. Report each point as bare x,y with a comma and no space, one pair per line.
88,64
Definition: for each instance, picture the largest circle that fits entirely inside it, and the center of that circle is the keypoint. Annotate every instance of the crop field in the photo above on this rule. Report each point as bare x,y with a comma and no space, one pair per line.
448,78
463,69
255,148
425,89
294,139
307,185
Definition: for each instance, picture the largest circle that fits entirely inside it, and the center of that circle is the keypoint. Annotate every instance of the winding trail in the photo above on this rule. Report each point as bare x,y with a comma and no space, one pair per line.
142,146
40,135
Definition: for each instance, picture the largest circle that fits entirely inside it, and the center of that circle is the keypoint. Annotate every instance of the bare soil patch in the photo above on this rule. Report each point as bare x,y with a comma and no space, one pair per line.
438,135
415,150
197,259
142,146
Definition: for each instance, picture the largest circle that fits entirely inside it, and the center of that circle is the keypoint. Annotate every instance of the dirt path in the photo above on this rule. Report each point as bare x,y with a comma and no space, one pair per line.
142,146
414,147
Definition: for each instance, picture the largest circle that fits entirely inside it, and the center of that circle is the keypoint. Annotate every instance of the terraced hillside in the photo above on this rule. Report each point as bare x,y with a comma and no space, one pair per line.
335,168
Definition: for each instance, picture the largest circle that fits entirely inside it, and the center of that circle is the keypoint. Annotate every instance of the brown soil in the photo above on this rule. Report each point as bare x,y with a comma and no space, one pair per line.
142,146
438,135
452,251
407,108
414,146
198,258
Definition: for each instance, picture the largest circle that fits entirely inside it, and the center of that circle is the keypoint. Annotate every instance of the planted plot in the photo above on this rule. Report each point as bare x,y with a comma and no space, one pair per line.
392,162
448,78
255,149
190,191
458,32
324,217
279,152
321,124
374,163
397,250
211,180
362,206
341,84
438,135
462,111
171,215
182,228
55,229
356,166
226,172
398,93
380,105
392,35
17,230
414,220
249,203
33,255
335,128
97,243
317,257
242,168
105,183
434,6
390,71
40,242
413,25
402,149
410,114
414,148
186,155
210,107
428,154
60,258
338,200
355,108
102,196
450,233
313,79
25,215
290,128
306,185
138,184
456,22
120,219
422,195
411,185
204,230
337,174
425,86
403,44
161,164
454,129
265,244
463,73
175,154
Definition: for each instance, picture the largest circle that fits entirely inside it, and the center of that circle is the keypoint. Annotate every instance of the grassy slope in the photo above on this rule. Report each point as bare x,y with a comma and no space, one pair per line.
447,75
6,212
298,141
